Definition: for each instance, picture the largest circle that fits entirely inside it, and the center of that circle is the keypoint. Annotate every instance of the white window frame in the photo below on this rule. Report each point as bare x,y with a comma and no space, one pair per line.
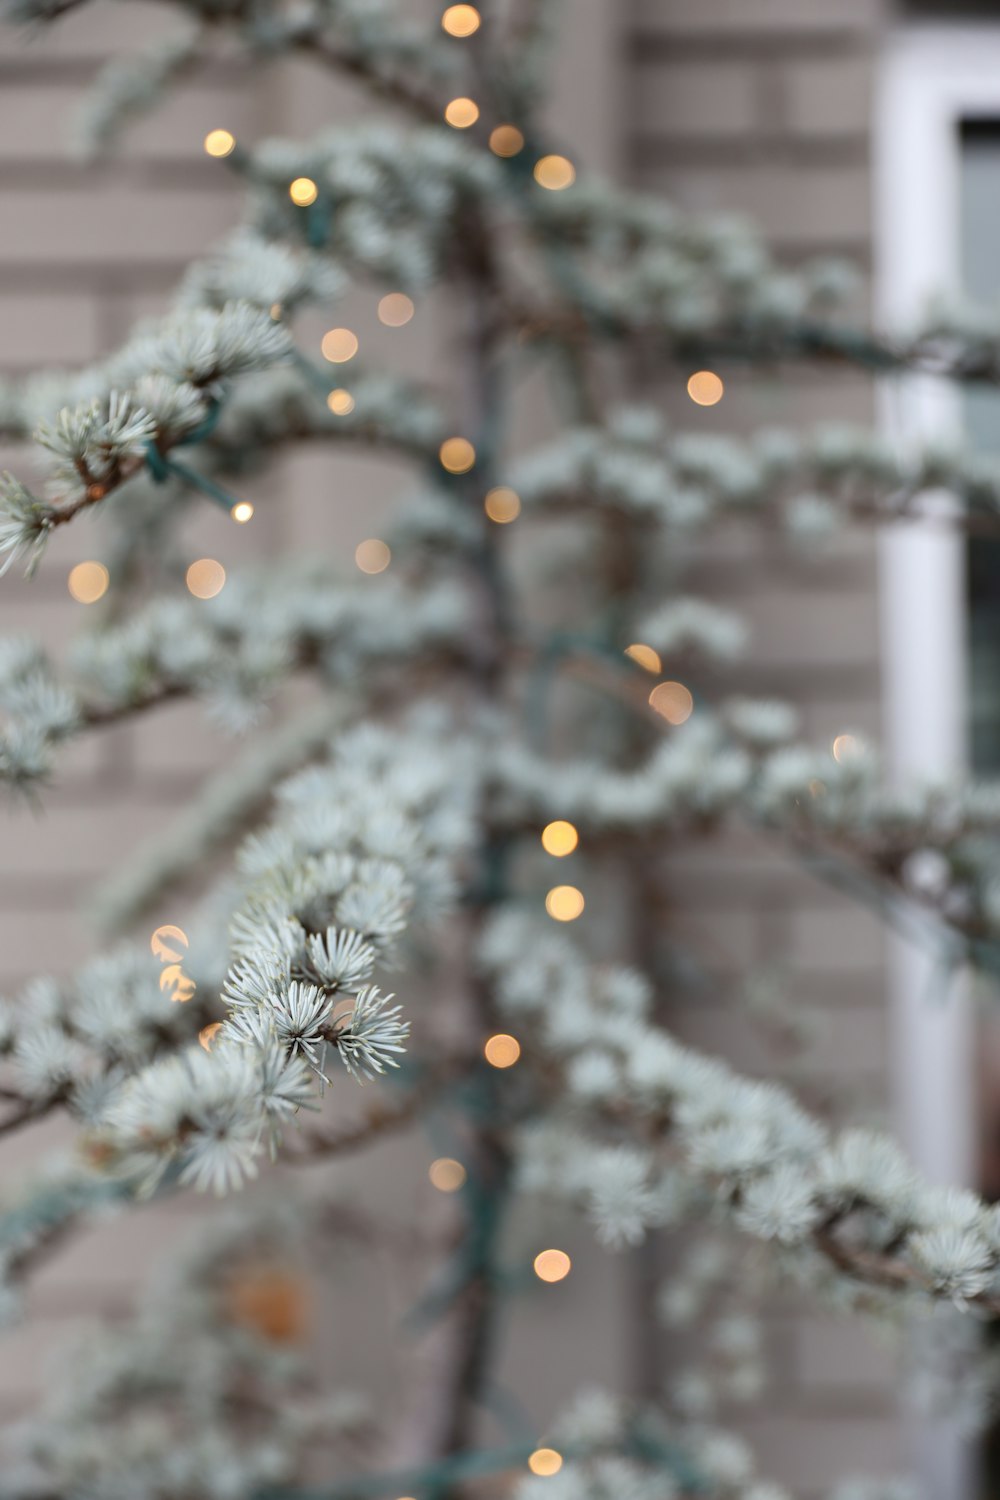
932,79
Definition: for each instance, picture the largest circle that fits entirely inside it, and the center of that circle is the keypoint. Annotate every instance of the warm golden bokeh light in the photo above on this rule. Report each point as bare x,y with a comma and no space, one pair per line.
372,555
559,838
303,191
502,504
88,582
340,402
461,113
173,978
457,455
555,173
207,1034
395,309
506,140
446,1174
461,20
564,903
205,578
673,701
552,1265
502,1050
645,656
242,512
338,345
273,1301
705,388
545,1462
168,943
844,746
220,143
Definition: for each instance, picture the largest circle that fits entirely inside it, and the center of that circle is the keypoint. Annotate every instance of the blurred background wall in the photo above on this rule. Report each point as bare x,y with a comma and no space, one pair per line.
762,107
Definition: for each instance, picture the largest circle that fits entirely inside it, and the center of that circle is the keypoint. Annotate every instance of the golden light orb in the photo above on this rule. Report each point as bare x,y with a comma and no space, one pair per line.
372,555
673,701
461,113
220,143
168,943
457,455
208,1033
506,140
552,1265
303,191
502,504
545,1462
88,582
461,20
242,512
644,656
205,578
446,1174
555,173
705,388
340,402
564,903
502,1050
395,309
559,838
844,746
338,345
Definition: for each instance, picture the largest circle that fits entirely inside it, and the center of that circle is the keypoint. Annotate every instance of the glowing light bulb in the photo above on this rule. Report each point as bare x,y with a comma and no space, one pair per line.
461,113
502,505
461,20
395,309
564,903
506,140
372,556
88,582
545,1462
673,701
220,143
552,1265
645,656
559,838
502,1050
340,402
338,345
705,388
205,578
446,1174
303,191
555,173
168,943
242,512
457,455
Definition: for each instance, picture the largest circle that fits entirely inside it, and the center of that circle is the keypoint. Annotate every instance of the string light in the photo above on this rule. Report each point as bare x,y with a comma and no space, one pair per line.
555,173
303,191
461,113
705,388
506,140
844,746
502,1050
338,345
502,505
559,838
564,903
457,455
372,556
395,309
242,512
673,701
446,1174
88,582
340,402
205,578
645,656
208,1033
461,20
168,943
220,143
545,1462
552,1265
